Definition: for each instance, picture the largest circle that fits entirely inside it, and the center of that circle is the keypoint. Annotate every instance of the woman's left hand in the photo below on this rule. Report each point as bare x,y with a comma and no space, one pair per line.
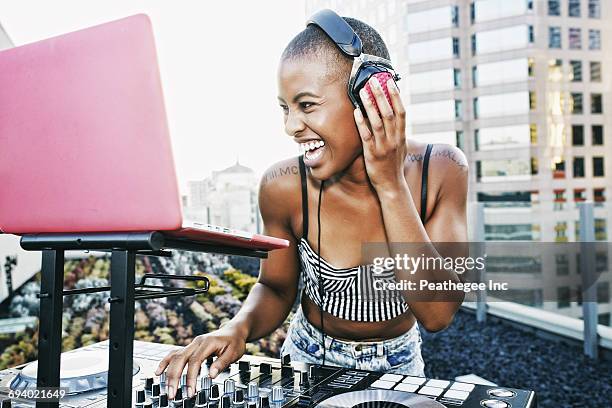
383,137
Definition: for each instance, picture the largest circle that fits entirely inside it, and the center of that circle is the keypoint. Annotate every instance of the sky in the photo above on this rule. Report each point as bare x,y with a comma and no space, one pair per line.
218,62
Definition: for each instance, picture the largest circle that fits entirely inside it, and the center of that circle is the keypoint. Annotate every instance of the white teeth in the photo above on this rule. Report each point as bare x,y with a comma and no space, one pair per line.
312,145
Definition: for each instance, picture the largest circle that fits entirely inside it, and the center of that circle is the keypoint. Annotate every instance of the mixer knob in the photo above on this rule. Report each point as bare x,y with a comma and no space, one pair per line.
201,399
183,380
162,378
179,394
287,371
214,393
140,396
253,391
286,359
252,404
6,404
163,401
149,384
264,402
239,398
244,366
209,361
304,380
229,386
148,405
265,368
205,383
278,395
155,391
189,402
226,401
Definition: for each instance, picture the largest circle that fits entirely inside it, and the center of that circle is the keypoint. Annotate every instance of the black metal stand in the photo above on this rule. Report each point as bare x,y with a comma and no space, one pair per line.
124,292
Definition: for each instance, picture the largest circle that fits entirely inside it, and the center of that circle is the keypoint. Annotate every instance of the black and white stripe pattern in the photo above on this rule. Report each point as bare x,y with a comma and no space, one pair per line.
349,292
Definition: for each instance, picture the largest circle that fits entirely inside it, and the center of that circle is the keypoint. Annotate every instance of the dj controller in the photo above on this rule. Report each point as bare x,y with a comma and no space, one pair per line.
256,382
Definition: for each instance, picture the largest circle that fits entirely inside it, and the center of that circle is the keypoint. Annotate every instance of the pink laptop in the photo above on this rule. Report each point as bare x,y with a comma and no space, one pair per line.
84,141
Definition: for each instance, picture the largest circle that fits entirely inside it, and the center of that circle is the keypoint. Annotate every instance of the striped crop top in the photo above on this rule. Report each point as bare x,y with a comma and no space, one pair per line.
349,292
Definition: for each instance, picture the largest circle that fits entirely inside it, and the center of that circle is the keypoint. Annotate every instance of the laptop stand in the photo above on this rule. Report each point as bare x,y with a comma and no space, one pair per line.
124,292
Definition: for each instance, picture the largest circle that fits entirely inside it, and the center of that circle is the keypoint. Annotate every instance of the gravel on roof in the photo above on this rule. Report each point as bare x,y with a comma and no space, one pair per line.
558,372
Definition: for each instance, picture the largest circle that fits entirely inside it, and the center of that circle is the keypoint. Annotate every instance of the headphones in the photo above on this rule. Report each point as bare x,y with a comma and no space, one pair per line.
349,43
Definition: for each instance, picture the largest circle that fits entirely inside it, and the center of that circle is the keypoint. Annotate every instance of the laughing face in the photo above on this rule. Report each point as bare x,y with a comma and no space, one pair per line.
319,116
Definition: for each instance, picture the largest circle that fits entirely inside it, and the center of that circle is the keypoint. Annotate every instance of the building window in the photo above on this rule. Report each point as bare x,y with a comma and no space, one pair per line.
559,168
531,35
598,166
578,167
456,52
562,263
473,44
455,16
554,37
559,201
476,108
532,100
597,138
599,195
474,76
529,4
600,229
476,139
576,71
579,195
554,7
574,8
533,133
575,103
577,135
594,40
459,139
575,40
472,13
594,9
560,231
530,66
563,297
533,163
457,78
603,292
458,106
596,103
595,71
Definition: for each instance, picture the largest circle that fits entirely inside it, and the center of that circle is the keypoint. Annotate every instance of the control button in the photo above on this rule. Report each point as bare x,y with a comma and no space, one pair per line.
491,403
433,391
406,387
239,397
205,383
162,378
414,380
252,404
163,400
265,368
264,402
277,394
179,394
286,359
149,384
148,405
501,392
462,386
244,366
140,396
286,371
304,380
385,385
155,391
201,399
391,377
252,391
209,361
457,394
6,403
214,392
226,401
229,386
437,383
183,380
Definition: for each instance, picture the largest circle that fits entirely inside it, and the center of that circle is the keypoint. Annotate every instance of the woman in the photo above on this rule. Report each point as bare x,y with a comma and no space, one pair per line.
360,180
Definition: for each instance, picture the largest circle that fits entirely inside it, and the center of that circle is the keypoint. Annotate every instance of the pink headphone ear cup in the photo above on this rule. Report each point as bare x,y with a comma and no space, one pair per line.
382,77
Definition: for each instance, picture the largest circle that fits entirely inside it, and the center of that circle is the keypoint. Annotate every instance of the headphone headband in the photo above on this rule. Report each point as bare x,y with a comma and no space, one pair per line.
338,30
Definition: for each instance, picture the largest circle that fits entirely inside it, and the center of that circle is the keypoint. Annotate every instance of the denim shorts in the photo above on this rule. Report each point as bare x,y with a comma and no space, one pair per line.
399,355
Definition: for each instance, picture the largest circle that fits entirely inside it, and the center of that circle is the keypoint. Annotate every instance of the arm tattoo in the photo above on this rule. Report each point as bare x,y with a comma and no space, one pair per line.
278,172
450,155
414,157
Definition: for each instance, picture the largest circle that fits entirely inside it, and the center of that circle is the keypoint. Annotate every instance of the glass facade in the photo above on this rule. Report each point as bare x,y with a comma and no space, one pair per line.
486,10
430,20
515,169
505,104
432,81
503,137
503,39
502,72
428,51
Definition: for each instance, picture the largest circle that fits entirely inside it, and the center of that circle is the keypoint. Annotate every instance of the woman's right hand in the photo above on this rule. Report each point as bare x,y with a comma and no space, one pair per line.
227,343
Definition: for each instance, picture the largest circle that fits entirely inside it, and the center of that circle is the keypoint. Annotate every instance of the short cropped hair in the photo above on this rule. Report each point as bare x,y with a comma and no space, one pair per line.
313,42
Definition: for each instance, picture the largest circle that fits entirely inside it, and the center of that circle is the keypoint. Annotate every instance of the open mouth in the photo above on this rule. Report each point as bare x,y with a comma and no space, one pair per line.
313,150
